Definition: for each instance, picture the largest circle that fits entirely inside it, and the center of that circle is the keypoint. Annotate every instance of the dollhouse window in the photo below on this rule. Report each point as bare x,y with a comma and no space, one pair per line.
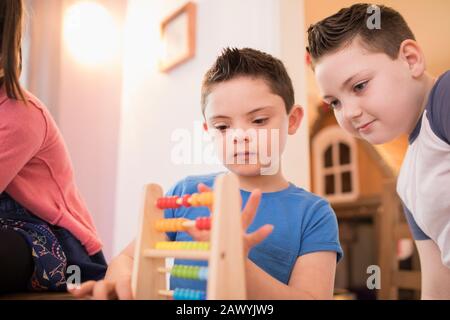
335,165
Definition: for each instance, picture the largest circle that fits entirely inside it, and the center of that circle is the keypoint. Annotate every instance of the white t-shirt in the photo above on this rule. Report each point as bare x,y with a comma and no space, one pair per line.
424,181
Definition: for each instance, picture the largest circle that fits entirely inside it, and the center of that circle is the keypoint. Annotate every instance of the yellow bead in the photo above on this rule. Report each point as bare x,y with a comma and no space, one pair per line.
170,225
207,198
195,200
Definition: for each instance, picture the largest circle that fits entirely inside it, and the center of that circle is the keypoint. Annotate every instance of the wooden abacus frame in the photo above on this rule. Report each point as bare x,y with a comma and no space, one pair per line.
226,263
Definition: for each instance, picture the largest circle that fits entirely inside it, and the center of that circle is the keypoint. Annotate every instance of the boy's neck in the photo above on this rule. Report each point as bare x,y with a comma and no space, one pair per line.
265,183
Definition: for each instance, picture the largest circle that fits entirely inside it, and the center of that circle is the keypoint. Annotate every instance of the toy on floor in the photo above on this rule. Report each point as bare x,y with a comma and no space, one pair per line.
225,274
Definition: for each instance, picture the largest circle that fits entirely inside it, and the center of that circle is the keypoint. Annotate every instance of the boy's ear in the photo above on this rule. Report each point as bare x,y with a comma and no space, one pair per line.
295,119
205,126
412,54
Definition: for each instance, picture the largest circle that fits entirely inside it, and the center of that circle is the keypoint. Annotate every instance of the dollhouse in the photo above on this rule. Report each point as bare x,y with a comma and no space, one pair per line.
359,181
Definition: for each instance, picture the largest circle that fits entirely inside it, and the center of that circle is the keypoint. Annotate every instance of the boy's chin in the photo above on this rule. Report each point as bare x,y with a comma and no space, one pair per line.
253,170
378,139
246,170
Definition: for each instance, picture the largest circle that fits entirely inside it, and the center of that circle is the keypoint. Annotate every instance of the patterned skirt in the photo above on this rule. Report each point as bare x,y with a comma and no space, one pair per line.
53,249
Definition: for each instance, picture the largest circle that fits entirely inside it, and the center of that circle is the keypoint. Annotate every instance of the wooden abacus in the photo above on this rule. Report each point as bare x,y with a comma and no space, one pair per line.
225,274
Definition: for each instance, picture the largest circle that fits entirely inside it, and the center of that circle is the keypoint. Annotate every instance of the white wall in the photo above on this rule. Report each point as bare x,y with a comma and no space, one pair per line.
89,117
42,51
156,104
85,102
292,52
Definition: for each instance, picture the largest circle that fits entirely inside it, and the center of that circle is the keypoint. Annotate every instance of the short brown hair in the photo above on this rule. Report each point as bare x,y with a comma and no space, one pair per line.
338,30
252,63
11,19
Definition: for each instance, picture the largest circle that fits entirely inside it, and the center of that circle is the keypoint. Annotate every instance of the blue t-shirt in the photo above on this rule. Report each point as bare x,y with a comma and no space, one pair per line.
303,223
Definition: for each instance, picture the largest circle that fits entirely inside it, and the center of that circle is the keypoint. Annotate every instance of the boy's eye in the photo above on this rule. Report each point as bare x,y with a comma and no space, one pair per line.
334,104
260,121
221,127
360,86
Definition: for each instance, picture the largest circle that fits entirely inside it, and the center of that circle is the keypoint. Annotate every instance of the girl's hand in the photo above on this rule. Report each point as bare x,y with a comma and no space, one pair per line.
103,290
248,214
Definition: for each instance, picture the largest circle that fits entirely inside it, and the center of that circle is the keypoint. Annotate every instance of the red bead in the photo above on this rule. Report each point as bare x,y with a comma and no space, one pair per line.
185,200
207,223
173,202
160,203
203,223
167,203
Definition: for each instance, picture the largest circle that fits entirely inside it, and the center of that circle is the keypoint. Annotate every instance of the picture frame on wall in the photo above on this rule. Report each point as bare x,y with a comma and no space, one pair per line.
178,33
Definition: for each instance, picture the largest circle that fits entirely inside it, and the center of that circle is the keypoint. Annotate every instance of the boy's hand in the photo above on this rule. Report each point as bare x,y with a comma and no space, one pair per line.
103,290
248,214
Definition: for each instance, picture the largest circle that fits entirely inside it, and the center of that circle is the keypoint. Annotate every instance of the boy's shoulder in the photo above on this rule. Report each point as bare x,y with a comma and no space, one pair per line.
303,195
443,82
438,108
440,92
308,201
188,185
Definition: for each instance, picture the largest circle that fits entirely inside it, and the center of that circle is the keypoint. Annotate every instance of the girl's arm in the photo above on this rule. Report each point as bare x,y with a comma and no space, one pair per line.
312,278
22,133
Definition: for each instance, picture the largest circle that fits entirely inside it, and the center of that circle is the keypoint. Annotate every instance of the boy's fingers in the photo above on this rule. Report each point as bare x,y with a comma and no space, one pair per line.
259,235
81,291
203,188
104,290
193,232
123,289
249,212
198,235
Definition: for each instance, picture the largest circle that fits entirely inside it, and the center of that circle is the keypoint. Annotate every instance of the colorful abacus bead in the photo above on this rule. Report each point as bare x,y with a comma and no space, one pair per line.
182,245
203,223
188,294
203,199
168,203
189,272
170,225
185,200
194,200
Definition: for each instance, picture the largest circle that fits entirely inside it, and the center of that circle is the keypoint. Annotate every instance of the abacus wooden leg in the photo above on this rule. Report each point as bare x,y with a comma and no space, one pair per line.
227,263
146,280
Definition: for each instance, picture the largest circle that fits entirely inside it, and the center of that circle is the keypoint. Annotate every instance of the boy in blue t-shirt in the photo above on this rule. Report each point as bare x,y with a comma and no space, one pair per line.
248,106
244,90
303,223
375,80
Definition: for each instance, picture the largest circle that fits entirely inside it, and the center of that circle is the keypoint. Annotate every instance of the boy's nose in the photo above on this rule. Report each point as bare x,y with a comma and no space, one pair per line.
240,138
352,111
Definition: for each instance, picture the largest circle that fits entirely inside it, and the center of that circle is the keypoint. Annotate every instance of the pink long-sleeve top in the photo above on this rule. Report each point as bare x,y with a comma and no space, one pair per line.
36,170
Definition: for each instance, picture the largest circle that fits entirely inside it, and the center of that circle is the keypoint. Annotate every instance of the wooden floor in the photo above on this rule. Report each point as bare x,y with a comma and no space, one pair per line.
37,296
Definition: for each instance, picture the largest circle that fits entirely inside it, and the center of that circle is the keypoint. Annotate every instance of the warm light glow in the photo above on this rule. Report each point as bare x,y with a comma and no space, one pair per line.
90,33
